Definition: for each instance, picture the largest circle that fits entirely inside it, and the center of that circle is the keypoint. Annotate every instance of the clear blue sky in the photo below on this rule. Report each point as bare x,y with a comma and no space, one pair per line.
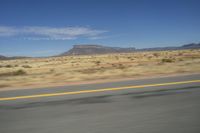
49,27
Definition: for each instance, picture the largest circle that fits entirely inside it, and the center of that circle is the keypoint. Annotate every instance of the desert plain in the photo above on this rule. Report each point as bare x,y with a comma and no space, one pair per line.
56,71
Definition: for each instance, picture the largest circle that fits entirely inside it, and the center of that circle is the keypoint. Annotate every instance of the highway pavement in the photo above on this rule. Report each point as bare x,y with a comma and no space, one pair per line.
156,105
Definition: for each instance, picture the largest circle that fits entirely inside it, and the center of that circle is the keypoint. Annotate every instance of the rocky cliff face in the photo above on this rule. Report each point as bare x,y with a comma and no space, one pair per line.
96,49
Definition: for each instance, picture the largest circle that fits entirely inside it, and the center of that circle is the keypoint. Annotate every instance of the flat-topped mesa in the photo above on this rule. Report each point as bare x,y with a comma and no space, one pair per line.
87,46
89,49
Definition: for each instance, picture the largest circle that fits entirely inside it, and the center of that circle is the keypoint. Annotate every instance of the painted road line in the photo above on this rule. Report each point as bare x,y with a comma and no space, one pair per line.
97,90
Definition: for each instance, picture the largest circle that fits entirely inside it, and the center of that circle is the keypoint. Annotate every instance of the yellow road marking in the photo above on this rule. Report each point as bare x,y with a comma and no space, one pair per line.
97,90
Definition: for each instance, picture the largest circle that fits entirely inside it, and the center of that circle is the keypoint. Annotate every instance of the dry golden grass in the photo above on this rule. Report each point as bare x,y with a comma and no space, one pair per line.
59,70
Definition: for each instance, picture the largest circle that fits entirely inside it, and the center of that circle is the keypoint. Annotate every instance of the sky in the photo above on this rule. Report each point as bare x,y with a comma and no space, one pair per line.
50,27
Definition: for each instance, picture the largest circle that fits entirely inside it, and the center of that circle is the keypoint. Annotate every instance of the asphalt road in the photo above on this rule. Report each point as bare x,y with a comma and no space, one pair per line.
172,108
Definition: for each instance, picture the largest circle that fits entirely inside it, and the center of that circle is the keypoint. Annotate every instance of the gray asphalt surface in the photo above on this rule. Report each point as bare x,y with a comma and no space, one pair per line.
166,109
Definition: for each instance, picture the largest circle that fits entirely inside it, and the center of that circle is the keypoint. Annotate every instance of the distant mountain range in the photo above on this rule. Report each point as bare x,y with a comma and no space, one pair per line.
2,57
12,58
186,46
99,49
91,49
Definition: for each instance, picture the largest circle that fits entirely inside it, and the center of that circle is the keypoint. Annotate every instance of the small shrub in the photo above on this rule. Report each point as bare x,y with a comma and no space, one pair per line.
165,60
116,57
52,70
26,66
180,54
121,66
149,57
181,59
8,66
156,54
15,73
19,72
98,62
113,65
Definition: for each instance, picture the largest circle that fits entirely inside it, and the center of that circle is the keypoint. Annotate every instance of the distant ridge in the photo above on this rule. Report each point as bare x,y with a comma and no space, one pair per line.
2,57
12,58
192,45
90,49
186,46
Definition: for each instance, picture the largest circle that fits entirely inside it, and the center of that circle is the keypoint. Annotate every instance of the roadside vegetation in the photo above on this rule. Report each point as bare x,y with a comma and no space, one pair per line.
62,70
